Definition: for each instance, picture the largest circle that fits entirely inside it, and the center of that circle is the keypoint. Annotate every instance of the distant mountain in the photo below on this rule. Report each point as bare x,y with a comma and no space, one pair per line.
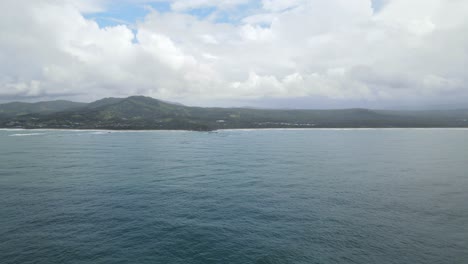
104,102
139,112
19,108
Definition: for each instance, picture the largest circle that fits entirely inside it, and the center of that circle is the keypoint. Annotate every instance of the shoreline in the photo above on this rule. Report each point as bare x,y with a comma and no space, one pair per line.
234,129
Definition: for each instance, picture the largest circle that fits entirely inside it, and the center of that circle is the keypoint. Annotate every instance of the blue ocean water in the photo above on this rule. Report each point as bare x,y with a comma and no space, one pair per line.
243,196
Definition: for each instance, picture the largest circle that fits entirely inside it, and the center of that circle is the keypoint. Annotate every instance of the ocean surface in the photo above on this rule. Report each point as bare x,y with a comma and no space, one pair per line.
238,196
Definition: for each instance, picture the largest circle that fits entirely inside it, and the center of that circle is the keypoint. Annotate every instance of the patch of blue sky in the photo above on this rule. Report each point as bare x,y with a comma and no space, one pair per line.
236,14
202,12
126,13
377,5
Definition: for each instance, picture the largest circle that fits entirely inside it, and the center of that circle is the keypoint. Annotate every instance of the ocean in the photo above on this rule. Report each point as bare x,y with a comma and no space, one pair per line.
234,196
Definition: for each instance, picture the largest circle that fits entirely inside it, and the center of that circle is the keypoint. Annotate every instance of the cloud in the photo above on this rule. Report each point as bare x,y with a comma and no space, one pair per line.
180,5
339,49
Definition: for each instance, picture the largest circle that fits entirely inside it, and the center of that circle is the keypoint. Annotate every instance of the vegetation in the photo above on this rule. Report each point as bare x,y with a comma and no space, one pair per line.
19,108
138,112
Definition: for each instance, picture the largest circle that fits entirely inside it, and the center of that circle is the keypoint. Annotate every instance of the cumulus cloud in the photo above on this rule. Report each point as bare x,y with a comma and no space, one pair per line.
338,49
179,5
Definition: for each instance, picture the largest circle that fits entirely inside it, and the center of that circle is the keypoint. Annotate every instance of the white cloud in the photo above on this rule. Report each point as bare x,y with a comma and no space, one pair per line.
281,5
339,49
181,5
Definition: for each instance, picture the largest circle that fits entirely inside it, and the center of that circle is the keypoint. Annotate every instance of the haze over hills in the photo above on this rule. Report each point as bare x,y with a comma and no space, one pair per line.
139,112
20,108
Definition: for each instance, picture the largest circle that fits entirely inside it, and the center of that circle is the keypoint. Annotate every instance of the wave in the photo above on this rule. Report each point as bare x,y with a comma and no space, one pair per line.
340,129
26,134
100,133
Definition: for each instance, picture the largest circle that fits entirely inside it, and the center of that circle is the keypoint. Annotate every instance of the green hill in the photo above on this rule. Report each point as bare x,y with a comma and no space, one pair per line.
139,112
20,108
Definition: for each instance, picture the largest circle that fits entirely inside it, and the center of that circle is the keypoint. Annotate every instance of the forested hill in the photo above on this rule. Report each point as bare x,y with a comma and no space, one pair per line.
139,112
20,108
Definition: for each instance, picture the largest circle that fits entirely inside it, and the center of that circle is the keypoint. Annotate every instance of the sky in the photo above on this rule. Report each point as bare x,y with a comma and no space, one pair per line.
261,53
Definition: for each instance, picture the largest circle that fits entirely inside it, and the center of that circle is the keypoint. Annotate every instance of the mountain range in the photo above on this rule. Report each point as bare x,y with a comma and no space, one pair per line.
140,112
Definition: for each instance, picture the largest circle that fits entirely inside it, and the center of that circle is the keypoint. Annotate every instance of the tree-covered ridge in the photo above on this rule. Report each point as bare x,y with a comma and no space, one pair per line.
20,108
139,112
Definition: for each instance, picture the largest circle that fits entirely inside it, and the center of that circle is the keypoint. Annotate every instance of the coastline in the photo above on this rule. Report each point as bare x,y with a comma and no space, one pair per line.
235,129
